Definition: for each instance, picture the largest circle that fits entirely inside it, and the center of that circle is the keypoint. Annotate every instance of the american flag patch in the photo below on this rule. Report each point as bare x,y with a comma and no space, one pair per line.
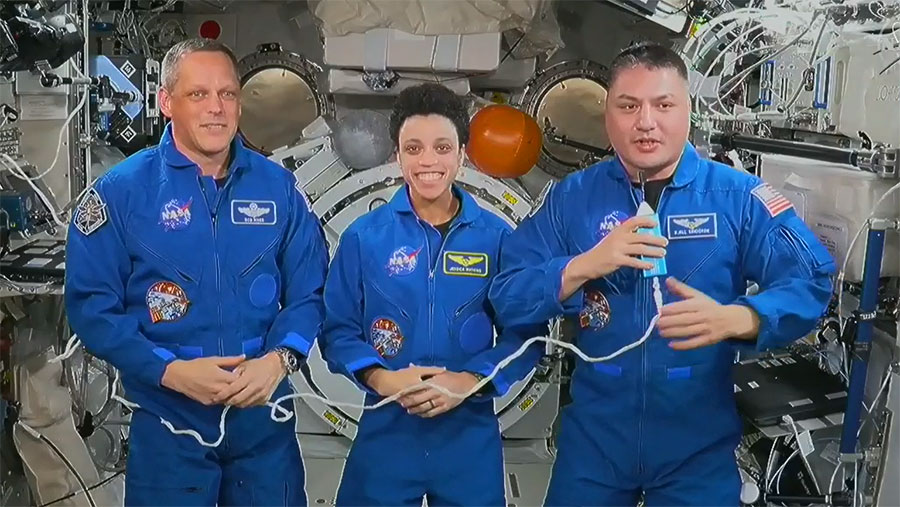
774,202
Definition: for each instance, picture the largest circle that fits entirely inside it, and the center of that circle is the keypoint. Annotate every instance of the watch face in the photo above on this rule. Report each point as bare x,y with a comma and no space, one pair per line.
292,362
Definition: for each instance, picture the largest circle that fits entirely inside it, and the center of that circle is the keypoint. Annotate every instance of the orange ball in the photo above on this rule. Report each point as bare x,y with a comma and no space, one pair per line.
504,142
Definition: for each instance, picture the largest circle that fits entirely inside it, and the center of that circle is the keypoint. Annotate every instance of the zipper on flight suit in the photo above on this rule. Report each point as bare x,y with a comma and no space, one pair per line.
643,390
214,222
431,269
644,303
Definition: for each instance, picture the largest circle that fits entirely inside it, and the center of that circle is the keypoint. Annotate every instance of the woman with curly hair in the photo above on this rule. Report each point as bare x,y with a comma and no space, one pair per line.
406,302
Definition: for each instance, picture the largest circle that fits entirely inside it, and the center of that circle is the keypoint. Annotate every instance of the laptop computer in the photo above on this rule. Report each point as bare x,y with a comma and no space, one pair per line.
766,389
40,261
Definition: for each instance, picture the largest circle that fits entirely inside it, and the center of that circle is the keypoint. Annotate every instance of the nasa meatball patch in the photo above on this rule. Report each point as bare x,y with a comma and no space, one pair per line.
167,302
403,261
387,338
175,214
610,222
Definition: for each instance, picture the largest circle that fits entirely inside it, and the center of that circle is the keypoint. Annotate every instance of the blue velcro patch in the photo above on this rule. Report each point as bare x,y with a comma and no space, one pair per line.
165,354
465,264
297,342
245,212
676,373
700,225
263,290
476,333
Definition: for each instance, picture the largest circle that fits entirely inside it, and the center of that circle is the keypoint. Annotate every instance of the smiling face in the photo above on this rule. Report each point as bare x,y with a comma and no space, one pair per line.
429,155
648,118
203,103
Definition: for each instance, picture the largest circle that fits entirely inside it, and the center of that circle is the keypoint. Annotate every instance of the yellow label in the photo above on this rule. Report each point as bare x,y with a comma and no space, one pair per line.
526,403
510,198
335,420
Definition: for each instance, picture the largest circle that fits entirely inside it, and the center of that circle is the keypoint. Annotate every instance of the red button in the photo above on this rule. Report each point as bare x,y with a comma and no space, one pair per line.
210,30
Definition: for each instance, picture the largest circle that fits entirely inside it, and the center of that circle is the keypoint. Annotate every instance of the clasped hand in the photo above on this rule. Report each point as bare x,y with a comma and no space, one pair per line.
425,400
226,380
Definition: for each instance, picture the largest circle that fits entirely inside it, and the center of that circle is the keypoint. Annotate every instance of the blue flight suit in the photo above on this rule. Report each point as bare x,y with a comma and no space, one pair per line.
398,294
163,265
657,420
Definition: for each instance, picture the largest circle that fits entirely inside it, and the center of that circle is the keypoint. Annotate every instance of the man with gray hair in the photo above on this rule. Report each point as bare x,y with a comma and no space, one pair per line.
196,268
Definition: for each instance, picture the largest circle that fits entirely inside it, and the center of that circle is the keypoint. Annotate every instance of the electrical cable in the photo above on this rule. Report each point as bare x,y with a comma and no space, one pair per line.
36,434
286,414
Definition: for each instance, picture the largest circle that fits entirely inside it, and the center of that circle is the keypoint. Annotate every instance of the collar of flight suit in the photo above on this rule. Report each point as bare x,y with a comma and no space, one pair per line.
685,173
177,160
402,205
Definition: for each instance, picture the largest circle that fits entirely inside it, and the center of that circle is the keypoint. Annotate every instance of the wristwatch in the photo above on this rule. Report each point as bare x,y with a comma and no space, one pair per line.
479,377
288,359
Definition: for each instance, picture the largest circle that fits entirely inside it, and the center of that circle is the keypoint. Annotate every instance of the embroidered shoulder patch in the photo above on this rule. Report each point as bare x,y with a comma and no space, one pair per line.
91,213
771,199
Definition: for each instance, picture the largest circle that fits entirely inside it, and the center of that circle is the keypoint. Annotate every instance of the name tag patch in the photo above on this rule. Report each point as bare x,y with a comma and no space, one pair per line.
465,264
245,212
700,225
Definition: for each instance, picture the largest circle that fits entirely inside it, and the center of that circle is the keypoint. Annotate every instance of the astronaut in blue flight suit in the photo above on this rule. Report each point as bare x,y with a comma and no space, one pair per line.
406,300
196,268
659,421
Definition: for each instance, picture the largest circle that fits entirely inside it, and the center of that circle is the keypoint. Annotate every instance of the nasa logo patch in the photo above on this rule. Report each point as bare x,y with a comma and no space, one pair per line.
175,214
403,261
610,222
167,302
595,314
386,337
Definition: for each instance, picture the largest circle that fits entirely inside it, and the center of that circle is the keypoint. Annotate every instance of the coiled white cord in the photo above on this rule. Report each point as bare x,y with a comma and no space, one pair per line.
287,414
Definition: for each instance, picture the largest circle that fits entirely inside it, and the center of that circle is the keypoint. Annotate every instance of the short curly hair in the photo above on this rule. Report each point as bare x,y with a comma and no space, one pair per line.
426,99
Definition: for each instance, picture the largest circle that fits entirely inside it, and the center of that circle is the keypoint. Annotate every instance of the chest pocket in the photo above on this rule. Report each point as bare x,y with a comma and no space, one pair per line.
470,322
397,277
173,248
